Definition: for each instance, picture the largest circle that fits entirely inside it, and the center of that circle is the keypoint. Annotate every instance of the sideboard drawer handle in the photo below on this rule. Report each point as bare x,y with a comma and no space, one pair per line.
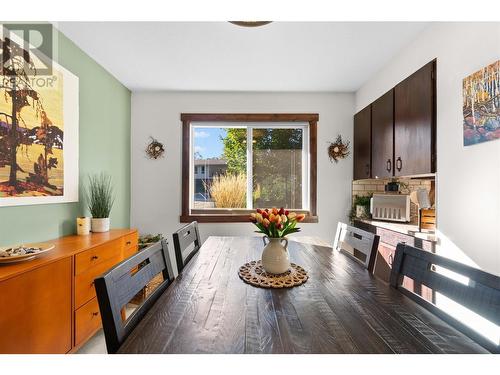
128,242
95,313
94,257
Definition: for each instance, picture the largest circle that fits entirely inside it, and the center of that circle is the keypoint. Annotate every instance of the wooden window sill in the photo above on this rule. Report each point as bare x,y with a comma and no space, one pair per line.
210,218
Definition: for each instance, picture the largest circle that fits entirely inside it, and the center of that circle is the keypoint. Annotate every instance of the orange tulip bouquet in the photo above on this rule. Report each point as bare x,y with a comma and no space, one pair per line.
276,223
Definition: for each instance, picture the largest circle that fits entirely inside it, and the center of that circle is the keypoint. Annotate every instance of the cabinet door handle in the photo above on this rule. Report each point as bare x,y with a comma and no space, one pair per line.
399,164
391,259
367,166
388,165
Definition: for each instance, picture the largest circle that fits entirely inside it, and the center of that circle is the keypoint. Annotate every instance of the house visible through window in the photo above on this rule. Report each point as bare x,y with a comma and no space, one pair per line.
236,166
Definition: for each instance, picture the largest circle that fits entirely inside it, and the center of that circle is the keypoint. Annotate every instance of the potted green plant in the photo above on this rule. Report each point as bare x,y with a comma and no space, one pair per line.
360,207
148,240
100,199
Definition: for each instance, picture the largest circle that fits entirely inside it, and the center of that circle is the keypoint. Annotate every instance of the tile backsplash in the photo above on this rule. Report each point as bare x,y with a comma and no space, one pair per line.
377,186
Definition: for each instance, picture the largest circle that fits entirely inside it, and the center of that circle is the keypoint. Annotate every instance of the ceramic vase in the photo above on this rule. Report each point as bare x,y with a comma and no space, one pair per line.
275,255
100,225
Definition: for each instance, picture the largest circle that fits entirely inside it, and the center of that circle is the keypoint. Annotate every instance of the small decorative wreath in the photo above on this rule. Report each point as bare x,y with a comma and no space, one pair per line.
338,149
155,149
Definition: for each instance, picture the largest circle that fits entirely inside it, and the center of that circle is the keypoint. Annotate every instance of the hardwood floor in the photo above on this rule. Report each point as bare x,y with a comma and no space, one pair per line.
95,345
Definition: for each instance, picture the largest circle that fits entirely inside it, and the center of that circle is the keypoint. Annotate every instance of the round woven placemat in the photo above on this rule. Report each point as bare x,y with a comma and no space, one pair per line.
253,273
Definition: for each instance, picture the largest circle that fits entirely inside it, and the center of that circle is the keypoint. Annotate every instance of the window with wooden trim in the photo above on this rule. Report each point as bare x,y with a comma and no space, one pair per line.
235,163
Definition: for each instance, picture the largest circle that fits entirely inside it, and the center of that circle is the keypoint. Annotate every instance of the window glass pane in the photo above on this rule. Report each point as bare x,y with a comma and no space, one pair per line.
220,163
277,168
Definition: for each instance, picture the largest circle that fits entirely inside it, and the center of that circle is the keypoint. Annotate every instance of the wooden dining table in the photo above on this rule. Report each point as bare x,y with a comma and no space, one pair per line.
342,308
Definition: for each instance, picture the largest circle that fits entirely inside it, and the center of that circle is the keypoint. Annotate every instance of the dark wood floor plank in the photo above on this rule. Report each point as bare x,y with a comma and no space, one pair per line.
341,309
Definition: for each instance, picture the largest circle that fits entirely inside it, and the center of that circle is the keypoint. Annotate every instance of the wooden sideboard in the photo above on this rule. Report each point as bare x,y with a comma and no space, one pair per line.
389,239
48,305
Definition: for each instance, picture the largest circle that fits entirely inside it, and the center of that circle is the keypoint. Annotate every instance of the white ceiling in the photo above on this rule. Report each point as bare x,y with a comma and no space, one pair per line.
219,56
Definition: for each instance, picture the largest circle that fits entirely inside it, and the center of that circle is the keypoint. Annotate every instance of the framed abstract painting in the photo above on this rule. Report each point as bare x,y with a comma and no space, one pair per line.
481,105
38,129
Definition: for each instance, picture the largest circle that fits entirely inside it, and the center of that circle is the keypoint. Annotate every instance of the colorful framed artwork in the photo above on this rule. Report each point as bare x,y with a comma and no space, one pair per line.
38,130
481,105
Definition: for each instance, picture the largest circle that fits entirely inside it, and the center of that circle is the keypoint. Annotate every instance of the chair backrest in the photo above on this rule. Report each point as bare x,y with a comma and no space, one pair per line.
186,244
357,243
120,284
480,293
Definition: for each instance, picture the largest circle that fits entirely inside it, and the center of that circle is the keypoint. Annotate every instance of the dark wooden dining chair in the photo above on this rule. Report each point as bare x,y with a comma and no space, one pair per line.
120,284
480,293
186,244
357,244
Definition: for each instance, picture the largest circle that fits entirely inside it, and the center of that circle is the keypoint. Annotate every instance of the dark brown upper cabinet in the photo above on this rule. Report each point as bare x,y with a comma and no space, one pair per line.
415,123
403,129
362,144
383,136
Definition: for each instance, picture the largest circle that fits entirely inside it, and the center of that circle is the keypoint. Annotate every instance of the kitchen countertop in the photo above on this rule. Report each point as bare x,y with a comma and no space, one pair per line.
403,228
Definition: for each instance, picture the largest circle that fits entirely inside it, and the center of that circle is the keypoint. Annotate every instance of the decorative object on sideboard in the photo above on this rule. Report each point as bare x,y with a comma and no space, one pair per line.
100,199
392,186
481,100
391,207
404,187
38,129
19,253
149,239
155,149
360,207
397,186
427,219
275,224
82,225
423,198
338,149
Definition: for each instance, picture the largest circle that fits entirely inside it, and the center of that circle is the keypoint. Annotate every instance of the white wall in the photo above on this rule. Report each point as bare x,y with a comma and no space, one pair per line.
468,178
156,184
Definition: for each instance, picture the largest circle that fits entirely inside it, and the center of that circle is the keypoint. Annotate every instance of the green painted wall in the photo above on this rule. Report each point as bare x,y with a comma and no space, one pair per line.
104,138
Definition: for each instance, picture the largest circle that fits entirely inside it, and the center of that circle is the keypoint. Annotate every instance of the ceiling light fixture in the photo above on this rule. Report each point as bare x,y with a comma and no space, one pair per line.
250,23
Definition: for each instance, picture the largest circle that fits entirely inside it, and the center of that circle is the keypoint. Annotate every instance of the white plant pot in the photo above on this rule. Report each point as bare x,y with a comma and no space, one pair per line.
361,212
100,225
275,255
